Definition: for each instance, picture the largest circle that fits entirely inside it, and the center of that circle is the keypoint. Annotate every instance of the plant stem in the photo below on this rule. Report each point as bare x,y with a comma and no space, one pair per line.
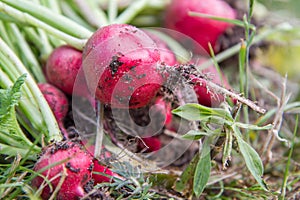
100,130
112,10
28,19
52,4
127,15
92,13
72,14
219,89
27,55
5,36
53,132
287,167
50,18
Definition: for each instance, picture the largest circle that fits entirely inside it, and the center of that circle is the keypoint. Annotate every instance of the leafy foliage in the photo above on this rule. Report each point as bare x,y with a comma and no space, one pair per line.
10,131
222,119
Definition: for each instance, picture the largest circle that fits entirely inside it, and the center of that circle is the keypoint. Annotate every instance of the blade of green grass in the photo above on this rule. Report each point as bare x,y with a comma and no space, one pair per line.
287,167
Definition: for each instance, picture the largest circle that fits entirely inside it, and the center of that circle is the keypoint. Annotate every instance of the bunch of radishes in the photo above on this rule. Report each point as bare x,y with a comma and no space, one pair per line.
125,68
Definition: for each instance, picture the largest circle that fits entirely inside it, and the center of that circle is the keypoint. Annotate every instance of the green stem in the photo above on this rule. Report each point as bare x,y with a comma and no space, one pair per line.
127,15
92,13
72,14
49,119
52,4
263,119
287,167
49,17
8,69
5,36
27,55
28,19
40,39
112,10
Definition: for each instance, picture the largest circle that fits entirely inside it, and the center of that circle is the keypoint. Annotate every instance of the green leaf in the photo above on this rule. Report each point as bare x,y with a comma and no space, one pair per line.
251,157
10,131
182,185
10,98
253,127
195,112
203,169
194,135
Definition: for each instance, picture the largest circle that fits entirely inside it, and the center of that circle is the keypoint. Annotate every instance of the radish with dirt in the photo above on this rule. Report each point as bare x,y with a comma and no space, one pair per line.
121,63
68,168
58,103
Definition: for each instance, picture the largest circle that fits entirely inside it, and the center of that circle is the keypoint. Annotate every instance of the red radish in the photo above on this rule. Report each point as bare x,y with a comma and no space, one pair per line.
149,144
166,55
203,30
57,101
63,66
165,109
204,95
71,159
120,63
99,170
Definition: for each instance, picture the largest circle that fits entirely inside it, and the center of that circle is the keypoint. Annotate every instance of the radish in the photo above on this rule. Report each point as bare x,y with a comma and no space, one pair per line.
58,103
63,66
120,61
202,30
205,96
71,164
166,55
165,109
99,170
149,144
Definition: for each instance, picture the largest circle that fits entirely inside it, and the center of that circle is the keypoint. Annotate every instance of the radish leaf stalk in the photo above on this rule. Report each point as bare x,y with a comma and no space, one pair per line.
49,17
52,131
28,19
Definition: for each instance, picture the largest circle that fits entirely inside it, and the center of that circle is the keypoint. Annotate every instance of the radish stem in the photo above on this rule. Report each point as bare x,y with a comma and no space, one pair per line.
112,10
30,59
92,13
49,17
28,19
53,132
131,12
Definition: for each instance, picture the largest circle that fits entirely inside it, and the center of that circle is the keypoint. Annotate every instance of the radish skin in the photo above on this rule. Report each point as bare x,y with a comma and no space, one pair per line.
121,63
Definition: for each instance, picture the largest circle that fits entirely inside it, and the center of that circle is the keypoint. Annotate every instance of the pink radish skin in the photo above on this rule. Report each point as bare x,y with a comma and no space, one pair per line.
149,144
98,168
120,61
77,164
165,109
202,30
62,67
166,55
98,177
205,96
58,103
